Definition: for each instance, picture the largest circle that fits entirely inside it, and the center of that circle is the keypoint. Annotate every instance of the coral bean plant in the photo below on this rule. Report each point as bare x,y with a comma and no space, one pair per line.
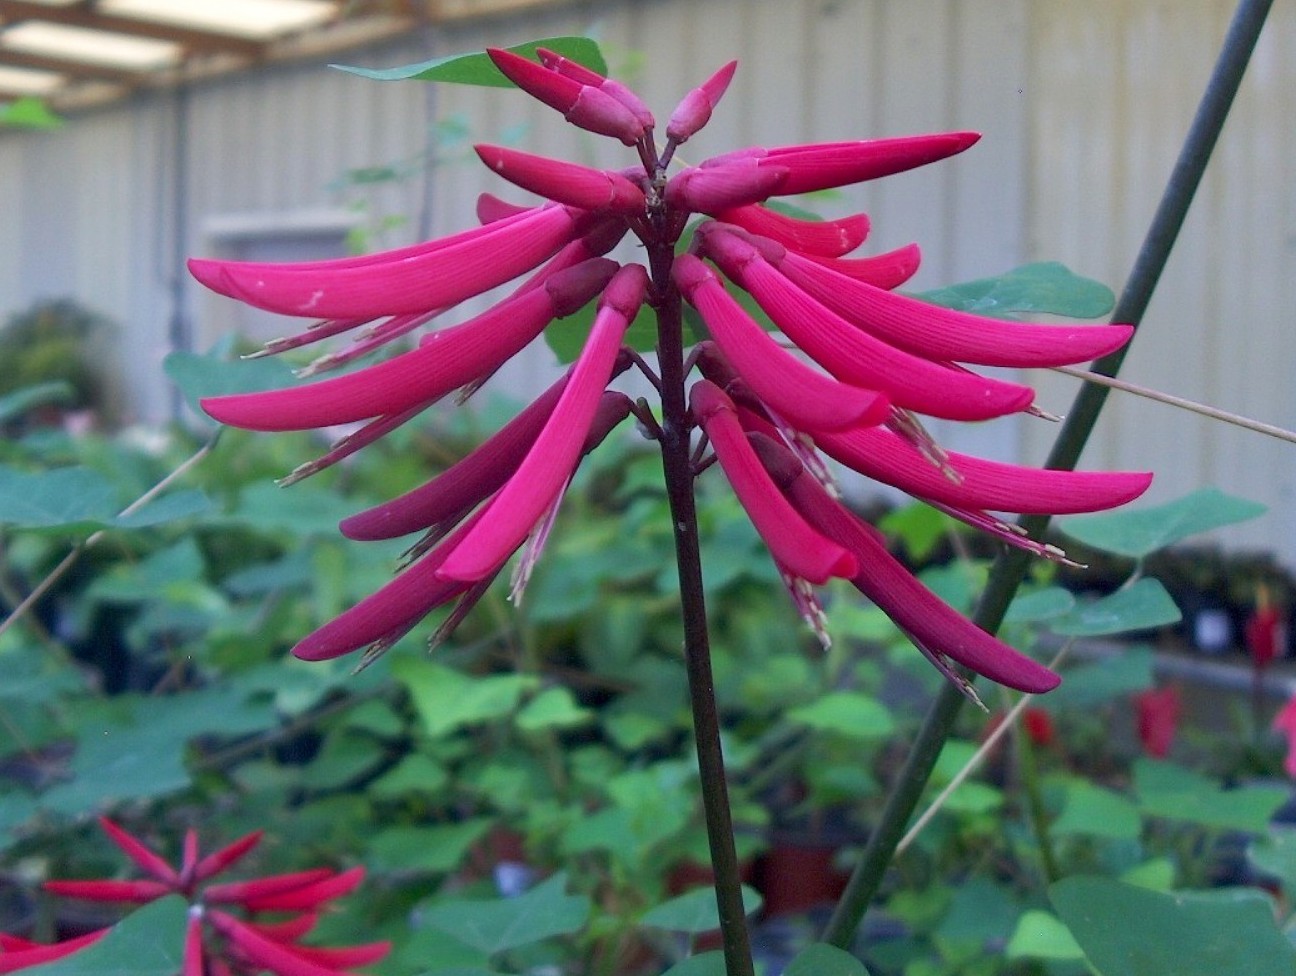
858,365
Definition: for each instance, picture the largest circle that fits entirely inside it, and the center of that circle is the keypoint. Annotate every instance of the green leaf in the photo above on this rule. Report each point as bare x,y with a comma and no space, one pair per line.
1157,874
502,924
1034,289
1140,606
133,747
147,942
29,113
478,69
919,528
1276,854
1172,792
703,964
695,911
1140,531
1099,682
1041,935
214,374
447,699
553,708
64,498
1045,604
433,850
822,959
566,337
1129,931
17,403
184,503
846,713
1096,812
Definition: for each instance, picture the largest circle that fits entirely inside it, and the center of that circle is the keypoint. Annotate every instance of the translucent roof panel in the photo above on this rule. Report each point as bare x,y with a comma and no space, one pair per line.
252,19
89,46
28,81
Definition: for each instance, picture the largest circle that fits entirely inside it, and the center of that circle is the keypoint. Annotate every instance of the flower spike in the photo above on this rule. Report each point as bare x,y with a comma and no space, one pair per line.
877,361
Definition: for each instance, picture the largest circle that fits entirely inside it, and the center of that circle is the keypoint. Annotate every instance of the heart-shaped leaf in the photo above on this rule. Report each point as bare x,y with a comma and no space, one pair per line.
1138,532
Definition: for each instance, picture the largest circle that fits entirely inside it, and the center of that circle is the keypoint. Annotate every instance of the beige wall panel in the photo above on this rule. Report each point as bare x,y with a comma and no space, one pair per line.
1117,84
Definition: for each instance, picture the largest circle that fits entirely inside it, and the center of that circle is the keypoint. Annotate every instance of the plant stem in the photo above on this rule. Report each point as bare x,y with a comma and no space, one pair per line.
1035,810
1010,567
678,467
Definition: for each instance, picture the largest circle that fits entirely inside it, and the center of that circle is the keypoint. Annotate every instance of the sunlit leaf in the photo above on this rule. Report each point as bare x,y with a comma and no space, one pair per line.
1041,935
29,113
478,69
1129,931
1141,606
1173,792
846,713
822,959
1047,288
502,924
214,373
147,942
695,911
1137,532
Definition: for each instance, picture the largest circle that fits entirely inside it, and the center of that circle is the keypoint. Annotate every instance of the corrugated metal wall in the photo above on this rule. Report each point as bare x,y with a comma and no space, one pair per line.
1082,104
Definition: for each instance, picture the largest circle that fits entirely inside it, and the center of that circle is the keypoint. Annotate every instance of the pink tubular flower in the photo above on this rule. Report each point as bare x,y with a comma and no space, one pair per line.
233,944
1157,711
1285,723
867,362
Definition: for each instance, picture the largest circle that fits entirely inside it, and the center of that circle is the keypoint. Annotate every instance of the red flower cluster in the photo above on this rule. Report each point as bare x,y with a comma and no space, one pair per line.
218,942
877,359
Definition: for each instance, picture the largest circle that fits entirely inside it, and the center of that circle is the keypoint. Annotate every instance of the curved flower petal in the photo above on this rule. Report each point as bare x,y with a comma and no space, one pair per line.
12,960
823,238
915,609
456,269
591,189
943,333
444,361
885,457
852,355
708,189
394,608
463,484
694,110
237,892
806,398
192,964
140,853
137,892
887,270
538,479
229,855
803,551
585,106
826,165
274,956
578,72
